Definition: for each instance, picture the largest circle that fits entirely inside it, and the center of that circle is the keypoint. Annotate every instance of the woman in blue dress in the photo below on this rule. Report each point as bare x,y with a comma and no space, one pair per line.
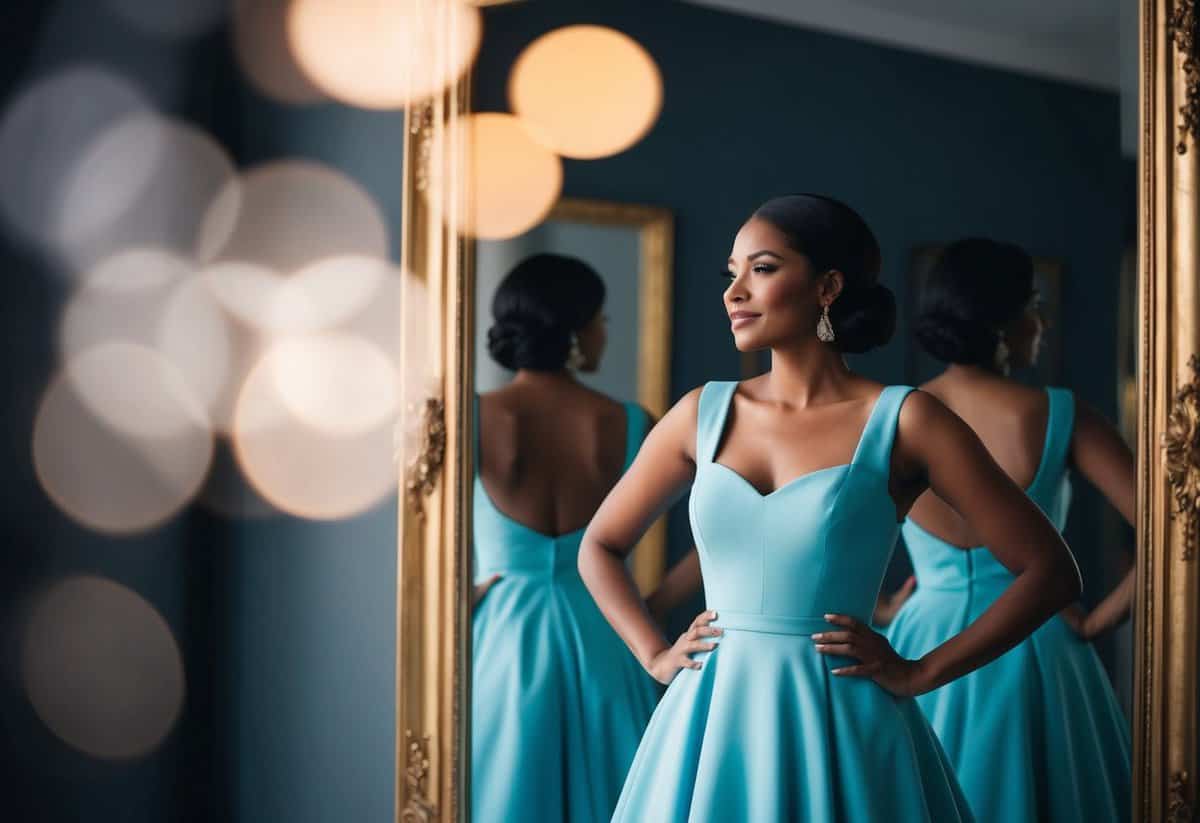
783,704
558,703
1038,733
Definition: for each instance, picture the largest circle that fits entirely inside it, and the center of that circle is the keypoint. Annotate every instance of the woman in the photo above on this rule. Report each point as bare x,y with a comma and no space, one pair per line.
1037,734
558,703
799,479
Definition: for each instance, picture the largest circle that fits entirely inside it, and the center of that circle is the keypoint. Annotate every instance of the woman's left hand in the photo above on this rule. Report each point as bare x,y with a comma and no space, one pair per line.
877,659
1077,621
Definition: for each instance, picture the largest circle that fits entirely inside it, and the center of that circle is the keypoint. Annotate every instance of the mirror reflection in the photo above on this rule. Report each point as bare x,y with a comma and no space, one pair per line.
575,329
870,555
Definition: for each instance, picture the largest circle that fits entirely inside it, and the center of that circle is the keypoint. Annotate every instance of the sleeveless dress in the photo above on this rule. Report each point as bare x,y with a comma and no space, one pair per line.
558,702
764,732
1036,734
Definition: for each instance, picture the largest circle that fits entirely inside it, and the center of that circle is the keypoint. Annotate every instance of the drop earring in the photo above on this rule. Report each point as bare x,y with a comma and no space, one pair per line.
1000,356
825,327
575,358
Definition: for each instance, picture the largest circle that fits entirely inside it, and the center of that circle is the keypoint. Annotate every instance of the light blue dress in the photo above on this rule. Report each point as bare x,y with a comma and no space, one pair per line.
558,703
764,732
1037,734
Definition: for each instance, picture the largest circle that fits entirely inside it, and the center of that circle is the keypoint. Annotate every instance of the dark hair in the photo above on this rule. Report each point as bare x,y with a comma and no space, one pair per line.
975,289
834,236
536,307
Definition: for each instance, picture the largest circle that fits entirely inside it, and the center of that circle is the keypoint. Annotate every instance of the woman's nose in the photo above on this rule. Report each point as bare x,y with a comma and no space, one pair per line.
735,292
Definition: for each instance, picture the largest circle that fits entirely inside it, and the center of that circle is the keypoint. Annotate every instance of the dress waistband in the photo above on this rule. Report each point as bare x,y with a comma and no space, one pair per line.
770,624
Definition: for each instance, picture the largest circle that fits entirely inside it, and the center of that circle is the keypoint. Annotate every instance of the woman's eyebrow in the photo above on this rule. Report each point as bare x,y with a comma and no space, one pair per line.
757,254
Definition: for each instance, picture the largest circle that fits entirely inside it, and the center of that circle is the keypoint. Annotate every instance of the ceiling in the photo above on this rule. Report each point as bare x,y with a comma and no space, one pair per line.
1079,41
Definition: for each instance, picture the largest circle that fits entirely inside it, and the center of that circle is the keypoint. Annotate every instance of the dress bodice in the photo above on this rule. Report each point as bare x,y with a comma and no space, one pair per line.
818,544
502,545
938,564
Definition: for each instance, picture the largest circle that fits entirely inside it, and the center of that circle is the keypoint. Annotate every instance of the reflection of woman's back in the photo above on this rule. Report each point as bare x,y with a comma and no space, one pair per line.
558,703
1036,734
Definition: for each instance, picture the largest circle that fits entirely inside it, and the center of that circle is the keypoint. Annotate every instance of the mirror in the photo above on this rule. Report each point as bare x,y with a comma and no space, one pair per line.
629,246
931,143
572,345
552,735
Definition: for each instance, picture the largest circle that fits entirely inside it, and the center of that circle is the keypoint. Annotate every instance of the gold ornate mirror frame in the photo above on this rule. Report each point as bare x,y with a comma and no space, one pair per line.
432,660
1165,691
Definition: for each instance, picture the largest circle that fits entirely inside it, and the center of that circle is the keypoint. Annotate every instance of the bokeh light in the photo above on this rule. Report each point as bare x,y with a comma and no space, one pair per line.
120,442
246,348
586,91
305,470
381,54
337,383
261,46
101,668
228,493
328,292
171,20
249,292
145,181
153,298
44,132
515,180
381,320
287,214
316,297
397,322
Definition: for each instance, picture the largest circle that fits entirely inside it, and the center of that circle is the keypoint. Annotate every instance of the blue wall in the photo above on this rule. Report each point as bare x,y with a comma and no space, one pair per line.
286,627
171,567
926,149
311,607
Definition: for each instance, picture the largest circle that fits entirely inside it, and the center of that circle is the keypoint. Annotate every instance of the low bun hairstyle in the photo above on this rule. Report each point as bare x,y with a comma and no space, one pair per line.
975,289
834,236
537,306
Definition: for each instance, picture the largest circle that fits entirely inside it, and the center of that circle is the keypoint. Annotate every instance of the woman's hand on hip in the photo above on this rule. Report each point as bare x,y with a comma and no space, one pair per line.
666,664
877,660
481,589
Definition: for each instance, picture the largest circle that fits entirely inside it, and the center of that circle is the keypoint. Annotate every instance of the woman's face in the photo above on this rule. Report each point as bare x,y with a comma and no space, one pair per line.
772,297
592,339
1024,334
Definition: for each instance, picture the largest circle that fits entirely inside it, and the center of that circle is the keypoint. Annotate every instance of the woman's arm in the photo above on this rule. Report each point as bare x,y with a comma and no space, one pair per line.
1101,455
681,582
938,444
887,606
1108,614
663,469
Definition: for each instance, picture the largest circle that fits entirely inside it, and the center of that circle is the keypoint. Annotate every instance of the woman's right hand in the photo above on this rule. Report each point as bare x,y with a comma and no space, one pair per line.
888,605
666,664
482,588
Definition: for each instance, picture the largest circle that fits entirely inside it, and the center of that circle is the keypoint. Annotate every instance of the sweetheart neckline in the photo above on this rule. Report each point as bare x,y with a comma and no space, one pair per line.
794,481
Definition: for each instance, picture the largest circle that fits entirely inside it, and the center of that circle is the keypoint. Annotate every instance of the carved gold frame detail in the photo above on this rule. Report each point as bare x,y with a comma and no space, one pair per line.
1165,689
432,608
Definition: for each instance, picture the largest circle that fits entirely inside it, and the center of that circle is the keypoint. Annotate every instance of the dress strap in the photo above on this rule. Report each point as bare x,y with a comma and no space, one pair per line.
875,445
636,422
1060,426
715,398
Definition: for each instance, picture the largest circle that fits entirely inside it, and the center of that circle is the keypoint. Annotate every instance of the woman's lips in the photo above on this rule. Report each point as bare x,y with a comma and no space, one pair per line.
738,319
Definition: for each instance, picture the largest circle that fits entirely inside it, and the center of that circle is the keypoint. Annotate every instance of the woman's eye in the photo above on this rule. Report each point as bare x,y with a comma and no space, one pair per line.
763,268
726,274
